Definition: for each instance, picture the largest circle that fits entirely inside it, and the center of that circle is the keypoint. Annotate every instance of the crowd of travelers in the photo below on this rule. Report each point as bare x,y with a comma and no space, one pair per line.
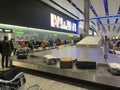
8,47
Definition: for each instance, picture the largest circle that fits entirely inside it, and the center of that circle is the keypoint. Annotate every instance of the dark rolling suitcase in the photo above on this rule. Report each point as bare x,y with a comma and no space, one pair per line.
85,64
66,62
22,54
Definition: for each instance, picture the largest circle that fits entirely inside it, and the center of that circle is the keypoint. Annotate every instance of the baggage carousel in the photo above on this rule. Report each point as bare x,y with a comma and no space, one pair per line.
100,75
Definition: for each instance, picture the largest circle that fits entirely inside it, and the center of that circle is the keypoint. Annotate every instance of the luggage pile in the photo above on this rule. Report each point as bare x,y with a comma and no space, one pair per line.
68,62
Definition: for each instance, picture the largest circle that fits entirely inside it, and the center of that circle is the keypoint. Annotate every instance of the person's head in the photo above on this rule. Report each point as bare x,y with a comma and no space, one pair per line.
5,37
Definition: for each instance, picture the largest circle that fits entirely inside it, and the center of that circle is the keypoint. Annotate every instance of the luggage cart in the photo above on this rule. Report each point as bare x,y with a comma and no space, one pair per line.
17,83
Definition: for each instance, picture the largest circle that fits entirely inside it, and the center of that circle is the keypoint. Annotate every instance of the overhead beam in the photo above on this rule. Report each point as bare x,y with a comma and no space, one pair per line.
114,24
105,2
102,18
117,18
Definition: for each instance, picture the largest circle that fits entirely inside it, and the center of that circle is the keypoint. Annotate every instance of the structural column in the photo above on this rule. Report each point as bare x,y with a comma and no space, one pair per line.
86,17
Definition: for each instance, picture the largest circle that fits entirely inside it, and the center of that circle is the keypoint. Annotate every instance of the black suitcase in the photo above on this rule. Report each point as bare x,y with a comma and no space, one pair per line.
22,54
66,62
85,64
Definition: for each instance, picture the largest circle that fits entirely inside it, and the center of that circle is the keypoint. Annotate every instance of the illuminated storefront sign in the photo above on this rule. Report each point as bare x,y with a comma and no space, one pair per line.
3,30
59,22
8,31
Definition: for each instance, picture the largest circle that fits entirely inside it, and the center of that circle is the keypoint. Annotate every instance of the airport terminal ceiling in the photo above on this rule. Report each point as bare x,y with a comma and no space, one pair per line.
104,14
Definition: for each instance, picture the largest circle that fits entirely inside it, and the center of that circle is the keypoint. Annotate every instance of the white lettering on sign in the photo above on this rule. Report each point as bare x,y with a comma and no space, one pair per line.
0,30
7,30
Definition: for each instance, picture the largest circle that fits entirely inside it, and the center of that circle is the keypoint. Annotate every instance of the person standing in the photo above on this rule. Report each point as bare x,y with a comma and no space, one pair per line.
30,45
6,50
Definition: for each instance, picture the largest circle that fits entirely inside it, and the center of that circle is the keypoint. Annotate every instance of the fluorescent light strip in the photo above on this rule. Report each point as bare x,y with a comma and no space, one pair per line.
28,28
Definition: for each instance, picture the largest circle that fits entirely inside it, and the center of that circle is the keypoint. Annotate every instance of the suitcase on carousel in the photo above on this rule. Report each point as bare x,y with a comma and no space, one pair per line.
114,68
22,54
66,62
85,64
50,60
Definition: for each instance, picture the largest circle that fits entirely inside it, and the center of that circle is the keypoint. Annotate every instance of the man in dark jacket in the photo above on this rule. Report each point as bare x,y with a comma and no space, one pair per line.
6,49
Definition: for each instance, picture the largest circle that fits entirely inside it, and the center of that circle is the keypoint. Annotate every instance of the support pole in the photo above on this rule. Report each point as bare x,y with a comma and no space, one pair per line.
86,17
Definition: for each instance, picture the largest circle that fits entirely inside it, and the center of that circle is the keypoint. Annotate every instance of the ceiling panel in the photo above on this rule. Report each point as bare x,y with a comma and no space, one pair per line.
104,21
112,21
79,3
119,21
118,26
113,6
99,7
65,4
91,14
111,28
58,8
106,28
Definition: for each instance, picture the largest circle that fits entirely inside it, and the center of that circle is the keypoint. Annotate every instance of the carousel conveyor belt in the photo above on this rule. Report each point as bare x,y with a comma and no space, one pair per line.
99,75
